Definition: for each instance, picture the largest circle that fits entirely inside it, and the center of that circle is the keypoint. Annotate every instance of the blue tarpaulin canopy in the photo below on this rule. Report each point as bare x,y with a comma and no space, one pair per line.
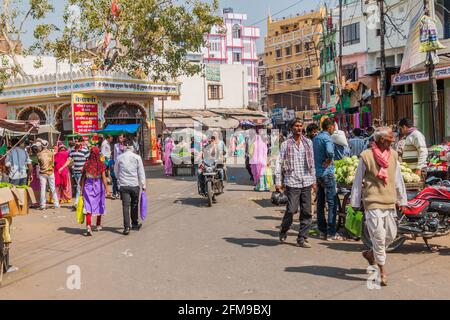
116,129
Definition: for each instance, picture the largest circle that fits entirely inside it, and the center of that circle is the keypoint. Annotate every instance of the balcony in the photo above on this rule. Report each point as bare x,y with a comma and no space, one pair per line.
301,35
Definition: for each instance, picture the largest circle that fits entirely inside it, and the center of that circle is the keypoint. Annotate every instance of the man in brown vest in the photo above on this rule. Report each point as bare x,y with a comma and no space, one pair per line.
378,181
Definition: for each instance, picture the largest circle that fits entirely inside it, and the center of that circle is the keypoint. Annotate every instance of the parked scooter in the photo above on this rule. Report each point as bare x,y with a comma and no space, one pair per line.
426,216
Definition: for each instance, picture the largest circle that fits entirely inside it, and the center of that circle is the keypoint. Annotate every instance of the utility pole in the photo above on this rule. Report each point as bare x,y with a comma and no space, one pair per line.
340,71
382,64
432,82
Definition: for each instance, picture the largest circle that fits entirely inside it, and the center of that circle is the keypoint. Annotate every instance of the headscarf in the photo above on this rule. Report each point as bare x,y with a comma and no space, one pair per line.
61,145
94,166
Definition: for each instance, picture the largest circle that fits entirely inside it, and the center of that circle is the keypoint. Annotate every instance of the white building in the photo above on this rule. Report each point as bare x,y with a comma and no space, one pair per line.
224,87
361,28
235,43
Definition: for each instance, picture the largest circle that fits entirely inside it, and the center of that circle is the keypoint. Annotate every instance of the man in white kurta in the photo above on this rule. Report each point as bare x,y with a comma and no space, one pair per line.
379,191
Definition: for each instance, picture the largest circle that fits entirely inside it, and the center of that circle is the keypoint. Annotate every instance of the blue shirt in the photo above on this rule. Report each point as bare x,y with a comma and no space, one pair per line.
323,150
357,145
340,152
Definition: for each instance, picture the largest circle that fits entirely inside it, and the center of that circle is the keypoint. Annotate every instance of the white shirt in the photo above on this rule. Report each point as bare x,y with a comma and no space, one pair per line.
129,170
106,149
358,187
18,160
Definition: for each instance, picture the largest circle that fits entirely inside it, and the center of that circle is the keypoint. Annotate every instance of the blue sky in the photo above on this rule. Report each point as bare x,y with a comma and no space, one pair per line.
255,9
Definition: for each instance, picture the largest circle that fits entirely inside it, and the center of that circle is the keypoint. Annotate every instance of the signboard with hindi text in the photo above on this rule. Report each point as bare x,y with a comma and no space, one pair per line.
84,113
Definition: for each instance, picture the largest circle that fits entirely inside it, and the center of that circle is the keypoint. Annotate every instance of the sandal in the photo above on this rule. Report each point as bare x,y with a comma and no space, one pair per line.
336,237
383,280
88,232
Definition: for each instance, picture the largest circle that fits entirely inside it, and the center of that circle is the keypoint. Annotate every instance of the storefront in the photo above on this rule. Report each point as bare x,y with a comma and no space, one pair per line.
120,98
422,110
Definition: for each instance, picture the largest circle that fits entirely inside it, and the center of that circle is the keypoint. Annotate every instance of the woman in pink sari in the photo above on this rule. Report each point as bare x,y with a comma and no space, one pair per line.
168,147
258,163
62,174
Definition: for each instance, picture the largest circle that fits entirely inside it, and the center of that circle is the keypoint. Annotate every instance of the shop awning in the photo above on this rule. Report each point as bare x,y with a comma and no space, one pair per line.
116,129
253,118
20,126
218,122
178,122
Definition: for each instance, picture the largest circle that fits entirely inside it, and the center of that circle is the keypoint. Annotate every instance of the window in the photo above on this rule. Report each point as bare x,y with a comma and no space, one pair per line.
236,57
351,72
298,72
308,72
308,46
279,75
288,50
298,48
351,34
214,46
378,32
288,74
215,92
278,52
236,31
250,72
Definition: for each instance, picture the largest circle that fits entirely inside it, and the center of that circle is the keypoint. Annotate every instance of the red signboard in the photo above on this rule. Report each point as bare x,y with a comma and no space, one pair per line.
85,113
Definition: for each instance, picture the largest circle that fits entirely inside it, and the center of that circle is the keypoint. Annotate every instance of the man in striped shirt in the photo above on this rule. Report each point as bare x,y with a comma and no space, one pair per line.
79,155
356,144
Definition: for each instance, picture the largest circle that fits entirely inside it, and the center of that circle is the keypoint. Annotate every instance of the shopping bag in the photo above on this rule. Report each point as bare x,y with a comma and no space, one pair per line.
353,221
143,205
80,210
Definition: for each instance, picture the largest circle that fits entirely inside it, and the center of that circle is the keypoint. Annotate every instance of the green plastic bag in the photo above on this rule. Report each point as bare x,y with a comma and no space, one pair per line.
80,210
353,221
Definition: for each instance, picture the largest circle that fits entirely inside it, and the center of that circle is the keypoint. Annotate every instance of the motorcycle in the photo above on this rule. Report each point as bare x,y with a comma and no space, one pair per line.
210,182
426,216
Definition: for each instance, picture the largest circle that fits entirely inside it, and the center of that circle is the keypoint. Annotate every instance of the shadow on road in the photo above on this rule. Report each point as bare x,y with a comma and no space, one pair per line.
79,231
331,272
344,246
253,242
265,203
196,202
274,233
268,218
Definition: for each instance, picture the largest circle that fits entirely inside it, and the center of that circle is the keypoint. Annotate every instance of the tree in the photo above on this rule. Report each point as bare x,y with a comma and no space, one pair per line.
141,37
14,17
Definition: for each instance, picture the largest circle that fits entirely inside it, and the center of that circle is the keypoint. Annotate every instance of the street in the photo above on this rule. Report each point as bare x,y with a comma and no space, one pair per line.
189,251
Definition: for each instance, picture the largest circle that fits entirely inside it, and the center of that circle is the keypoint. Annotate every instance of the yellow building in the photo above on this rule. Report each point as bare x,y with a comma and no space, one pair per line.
292,61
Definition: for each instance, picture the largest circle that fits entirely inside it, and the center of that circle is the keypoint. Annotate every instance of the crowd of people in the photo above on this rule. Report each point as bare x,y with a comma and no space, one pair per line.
84,167
306,165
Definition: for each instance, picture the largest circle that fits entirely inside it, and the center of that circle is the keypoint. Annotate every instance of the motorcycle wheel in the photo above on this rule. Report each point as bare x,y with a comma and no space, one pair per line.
397,243
209,192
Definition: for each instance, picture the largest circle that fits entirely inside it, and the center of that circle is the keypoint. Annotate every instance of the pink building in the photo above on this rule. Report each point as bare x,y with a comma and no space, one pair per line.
235,45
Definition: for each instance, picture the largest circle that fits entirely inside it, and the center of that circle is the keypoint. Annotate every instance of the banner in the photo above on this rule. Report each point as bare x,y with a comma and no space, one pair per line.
213,73
85,113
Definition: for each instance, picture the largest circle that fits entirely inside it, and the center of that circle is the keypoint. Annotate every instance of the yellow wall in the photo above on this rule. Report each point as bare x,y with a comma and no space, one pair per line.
289,33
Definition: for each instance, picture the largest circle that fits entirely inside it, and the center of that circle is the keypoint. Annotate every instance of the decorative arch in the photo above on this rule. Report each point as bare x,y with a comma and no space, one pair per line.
63,117
298,71
32,113
288,73
236,31
121,110
308,71
279,74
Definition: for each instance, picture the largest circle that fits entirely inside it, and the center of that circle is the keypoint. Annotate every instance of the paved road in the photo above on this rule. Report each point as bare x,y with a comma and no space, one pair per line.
188,251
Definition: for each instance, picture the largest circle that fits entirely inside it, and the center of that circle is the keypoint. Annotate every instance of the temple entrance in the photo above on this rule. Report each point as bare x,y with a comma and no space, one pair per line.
32,114
129,113
63,119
